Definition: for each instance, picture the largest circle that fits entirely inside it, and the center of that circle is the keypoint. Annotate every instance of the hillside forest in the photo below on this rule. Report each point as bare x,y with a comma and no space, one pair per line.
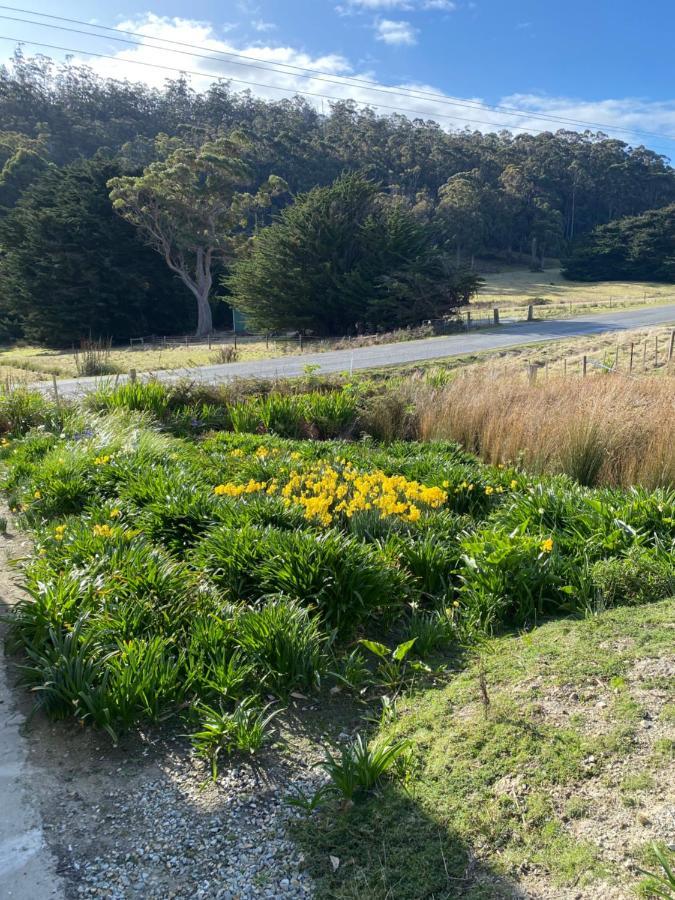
127,210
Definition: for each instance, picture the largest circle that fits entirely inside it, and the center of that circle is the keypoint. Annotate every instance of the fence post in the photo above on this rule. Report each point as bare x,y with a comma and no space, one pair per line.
672,345
584,366
132,375
495,315
632,347
468,321
267,340
530,313
209,340
56,390
531,372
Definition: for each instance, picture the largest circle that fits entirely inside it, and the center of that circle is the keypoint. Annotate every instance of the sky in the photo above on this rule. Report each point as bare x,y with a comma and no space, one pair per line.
526,65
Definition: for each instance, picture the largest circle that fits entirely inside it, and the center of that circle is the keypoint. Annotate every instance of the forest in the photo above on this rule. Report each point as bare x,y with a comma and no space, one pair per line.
128,210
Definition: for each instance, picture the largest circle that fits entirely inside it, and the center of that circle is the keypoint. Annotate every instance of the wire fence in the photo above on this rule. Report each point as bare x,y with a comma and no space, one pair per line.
298,341
631,358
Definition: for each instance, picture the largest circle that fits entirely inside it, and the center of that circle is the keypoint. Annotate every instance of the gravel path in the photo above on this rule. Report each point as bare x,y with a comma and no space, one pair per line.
408,351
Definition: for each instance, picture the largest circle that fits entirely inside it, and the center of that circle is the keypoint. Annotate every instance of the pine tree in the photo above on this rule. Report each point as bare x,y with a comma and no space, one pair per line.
72,268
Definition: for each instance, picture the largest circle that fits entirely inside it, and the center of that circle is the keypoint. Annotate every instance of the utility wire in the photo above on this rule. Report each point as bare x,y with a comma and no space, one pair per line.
319,75
273,87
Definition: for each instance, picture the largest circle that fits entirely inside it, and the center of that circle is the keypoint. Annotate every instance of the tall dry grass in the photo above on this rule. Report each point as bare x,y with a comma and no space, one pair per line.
608,430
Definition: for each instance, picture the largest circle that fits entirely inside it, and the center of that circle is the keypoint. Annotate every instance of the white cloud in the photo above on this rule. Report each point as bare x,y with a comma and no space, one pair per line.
443,5
381,4
261,25
527,111
396,32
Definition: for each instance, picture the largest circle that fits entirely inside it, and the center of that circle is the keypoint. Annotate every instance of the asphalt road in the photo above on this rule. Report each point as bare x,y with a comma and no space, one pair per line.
407,351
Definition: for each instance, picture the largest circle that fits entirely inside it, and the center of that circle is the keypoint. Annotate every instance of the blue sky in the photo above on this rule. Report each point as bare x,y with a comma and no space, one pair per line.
595,61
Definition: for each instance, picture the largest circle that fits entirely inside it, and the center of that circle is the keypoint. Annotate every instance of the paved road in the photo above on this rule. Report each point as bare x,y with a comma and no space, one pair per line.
410,351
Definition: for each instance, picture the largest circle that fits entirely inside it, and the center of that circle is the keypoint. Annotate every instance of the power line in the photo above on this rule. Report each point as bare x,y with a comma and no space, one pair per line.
318,75
273,87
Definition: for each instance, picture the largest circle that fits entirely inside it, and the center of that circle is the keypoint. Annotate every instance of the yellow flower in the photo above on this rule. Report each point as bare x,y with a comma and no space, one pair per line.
115,513
489,490
514,484
546,546
102,460
237,452
262,452
37,495
103,531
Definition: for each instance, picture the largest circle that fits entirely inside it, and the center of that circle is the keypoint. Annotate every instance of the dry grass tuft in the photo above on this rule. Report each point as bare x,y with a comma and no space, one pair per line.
610,430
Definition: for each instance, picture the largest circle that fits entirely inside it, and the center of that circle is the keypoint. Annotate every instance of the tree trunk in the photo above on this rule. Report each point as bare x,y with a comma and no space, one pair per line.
533,257
202,290
204,317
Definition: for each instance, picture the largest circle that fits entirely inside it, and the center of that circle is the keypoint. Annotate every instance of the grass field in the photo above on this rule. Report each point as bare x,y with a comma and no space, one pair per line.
515,287
496,639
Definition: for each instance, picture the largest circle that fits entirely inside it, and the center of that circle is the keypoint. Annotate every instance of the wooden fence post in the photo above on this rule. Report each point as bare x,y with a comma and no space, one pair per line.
132,375
672,345
56,391
584,365
495,315
632,347
531,373
530,313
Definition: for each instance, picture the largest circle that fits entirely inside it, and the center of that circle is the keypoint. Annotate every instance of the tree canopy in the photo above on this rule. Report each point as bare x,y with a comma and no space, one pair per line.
344,258
639,248
212,169
72,267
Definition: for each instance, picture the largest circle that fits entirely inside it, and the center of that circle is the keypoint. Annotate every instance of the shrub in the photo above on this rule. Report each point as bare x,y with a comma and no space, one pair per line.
93,358
146,396
642,576
341,578
22,409
245,729
510,578
284,645
360,767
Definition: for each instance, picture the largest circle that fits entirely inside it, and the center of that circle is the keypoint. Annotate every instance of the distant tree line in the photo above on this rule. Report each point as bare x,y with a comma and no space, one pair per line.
635,248
126,209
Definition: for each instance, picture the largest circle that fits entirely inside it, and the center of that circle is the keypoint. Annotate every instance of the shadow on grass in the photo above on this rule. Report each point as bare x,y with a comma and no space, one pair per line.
390,848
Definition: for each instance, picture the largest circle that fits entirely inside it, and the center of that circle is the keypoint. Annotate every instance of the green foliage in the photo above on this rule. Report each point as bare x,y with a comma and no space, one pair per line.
343,257
660,883
245,730
631,249
284,645
360,767
108,283
152,592
642,576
